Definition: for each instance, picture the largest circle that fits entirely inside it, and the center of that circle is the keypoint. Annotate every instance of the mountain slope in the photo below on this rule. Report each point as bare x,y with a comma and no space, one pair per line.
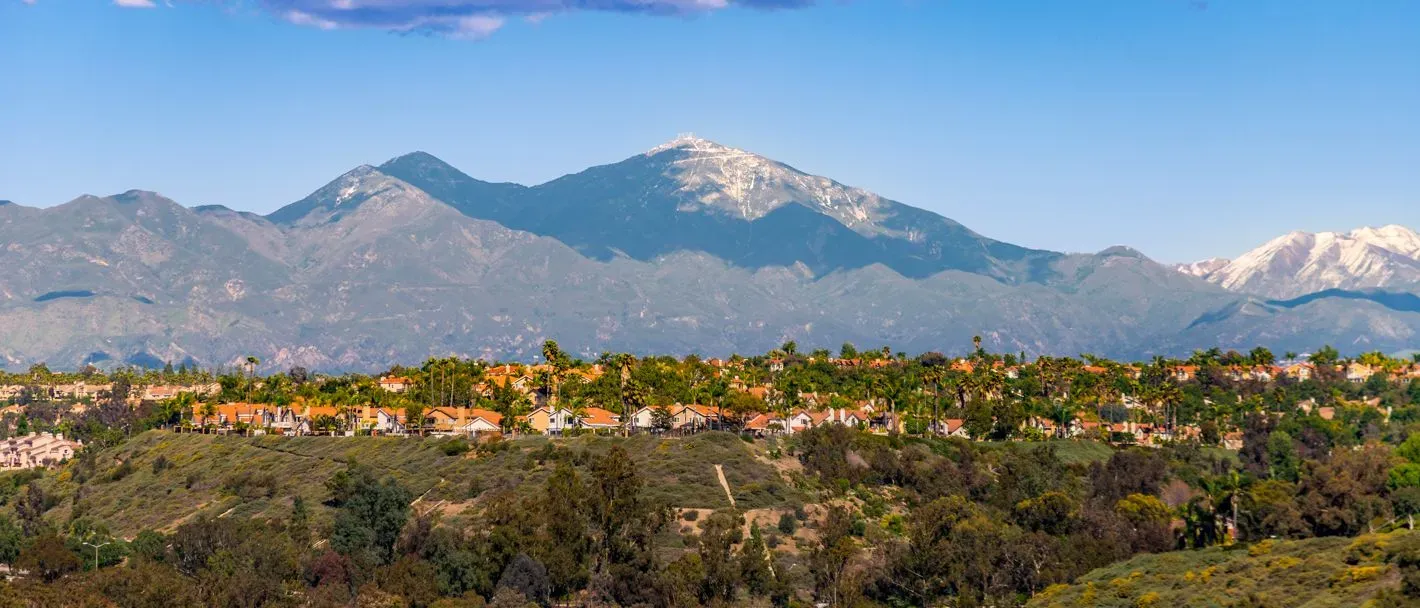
1298,263
696,195
691,247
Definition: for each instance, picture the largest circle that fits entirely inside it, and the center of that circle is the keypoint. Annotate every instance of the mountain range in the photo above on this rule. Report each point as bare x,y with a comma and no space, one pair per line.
1299,263
691,246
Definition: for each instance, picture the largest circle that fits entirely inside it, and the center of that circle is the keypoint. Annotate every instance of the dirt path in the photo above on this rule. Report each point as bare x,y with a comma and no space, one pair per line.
720,472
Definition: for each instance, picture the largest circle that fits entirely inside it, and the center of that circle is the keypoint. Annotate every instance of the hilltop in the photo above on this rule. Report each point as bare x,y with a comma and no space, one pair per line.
158,480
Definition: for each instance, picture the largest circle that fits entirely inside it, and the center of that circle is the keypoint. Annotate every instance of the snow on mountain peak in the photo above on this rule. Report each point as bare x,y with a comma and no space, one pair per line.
1202,268
750,186
1297,263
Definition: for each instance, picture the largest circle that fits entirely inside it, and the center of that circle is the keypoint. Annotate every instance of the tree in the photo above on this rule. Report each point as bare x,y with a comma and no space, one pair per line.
414,417
300,525
370,514
848,351
30,509
563,546
829,561
48,556
718,536
528,578
754,563
252,362
1326,355
1261,356
11,540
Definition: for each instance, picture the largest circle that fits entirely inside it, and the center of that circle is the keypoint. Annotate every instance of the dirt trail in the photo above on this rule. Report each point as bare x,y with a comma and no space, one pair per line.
720,472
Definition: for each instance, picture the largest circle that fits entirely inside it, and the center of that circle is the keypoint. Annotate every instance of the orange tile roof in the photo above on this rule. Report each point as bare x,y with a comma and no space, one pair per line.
489,415
596,416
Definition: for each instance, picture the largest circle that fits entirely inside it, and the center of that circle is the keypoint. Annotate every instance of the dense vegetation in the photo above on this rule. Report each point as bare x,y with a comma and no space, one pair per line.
833,514
838,516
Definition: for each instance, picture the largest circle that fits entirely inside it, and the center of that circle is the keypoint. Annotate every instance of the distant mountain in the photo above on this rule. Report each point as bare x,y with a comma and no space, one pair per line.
690,247
1299,263
692,194
1203,268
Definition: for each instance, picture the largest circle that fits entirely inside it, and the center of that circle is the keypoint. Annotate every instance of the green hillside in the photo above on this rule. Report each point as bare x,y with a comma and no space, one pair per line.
158,479
1313,573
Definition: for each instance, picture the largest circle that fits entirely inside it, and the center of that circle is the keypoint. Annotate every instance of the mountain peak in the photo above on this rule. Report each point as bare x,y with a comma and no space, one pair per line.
417,158
339,196
1299,262
689,142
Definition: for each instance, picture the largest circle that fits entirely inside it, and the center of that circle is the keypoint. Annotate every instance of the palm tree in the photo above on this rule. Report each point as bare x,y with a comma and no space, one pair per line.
183,403
623,362
252,362
209,411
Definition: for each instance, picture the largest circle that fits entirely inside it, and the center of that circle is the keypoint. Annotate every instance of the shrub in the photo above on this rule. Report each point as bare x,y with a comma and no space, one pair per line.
161,464
787,523
248,485
121,471
690,515
455,447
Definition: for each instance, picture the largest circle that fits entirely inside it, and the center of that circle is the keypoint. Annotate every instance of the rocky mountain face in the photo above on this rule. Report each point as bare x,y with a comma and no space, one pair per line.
690,247
1300,263
693,194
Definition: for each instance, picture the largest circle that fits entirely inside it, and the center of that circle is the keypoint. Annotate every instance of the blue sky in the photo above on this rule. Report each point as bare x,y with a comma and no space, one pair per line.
1181,128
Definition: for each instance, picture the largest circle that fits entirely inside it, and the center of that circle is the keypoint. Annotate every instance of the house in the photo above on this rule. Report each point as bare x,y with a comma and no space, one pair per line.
389,422
551,420
645,418
693,417
80,390
1185,373
227,416
395,384
480,421
1299,371
598,418
766,424
161,392
801,421
1233,440
1357,373
954,427
442,420
36,450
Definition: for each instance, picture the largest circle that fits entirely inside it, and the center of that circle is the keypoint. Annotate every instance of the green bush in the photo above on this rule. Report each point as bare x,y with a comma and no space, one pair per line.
455,447
787,523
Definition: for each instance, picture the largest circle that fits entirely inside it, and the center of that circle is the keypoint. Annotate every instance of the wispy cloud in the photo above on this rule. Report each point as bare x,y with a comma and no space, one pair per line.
471,19
479,18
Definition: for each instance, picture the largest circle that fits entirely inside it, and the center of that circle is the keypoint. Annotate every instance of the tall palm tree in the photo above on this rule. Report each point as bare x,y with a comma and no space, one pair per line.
209,411
252,362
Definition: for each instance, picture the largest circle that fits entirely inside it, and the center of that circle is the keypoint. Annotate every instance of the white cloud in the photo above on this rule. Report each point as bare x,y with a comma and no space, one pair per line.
134,3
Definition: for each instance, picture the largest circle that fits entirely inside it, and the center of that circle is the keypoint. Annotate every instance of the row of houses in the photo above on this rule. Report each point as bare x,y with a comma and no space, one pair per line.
36,450
79,391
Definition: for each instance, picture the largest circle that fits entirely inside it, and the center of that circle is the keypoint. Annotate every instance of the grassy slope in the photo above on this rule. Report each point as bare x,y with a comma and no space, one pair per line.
1312,573
677,470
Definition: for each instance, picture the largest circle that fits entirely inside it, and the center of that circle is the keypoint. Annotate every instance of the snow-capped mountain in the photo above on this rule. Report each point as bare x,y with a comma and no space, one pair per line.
1299,263
693,194
1202,268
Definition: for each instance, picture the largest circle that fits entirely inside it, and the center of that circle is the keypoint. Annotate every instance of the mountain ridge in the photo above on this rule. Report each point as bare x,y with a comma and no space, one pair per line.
1298,263
645,255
